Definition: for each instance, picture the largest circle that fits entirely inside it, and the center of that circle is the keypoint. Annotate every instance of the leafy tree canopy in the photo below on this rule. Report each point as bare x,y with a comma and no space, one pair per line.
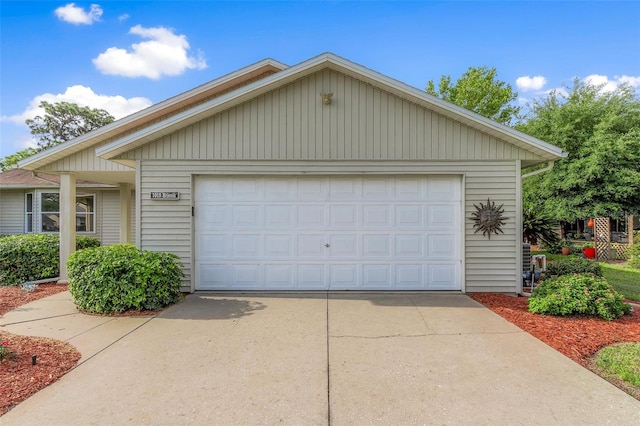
601,133
479,90
7,162
63,121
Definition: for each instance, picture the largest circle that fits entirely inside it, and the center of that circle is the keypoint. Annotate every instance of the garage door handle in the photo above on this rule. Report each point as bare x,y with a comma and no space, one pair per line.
327,245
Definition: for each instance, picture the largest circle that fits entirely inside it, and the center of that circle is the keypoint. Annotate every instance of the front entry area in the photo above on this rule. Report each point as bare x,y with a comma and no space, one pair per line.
328,232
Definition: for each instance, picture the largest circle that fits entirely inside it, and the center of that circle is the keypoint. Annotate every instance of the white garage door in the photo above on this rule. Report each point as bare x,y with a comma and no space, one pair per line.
328,233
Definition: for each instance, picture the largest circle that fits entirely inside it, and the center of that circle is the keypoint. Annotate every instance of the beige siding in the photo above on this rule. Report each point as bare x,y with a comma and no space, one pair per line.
85,160
362,123
109,211
12,211
490,263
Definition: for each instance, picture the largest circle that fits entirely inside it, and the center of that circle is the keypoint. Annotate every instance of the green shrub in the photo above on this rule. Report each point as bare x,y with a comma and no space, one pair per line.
572,265
121,277
31,257
585,294
633,254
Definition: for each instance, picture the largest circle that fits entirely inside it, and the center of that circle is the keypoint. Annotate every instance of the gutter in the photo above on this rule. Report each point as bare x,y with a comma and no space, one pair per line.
545,169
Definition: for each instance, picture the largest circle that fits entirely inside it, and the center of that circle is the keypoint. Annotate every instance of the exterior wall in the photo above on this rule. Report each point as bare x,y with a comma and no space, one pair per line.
490,264
110,214
85,160
361,123
12,214
12,211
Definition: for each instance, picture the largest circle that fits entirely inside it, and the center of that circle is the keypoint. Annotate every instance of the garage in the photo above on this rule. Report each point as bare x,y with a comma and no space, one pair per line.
364,232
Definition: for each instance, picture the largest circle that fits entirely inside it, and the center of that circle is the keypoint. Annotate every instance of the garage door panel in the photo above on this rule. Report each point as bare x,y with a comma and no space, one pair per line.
409,216
246,216
441,216
318,233
311,276
344,277
216,216
444,276
343,246
213,246
443,246
344,216
278,216
376,245
410,246
410,276
311,245
345,189
312,189
279,246
246,276
246,245
279,276
377,276
443,189
377,188
311,216
376,216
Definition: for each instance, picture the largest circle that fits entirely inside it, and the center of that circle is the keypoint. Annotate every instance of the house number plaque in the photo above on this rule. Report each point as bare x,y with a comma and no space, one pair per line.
165,195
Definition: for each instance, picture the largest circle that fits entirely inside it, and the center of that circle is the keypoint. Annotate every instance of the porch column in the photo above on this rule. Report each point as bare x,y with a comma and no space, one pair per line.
67,222
630,230
125,213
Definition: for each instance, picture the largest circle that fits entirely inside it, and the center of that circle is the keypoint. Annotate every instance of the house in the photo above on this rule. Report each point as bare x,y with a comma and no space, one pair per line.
322,175
29,203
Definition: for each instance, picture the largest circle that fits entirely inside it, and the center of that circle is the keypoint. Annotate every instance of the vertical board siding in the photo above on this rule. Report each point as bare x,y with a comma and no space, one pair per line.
85,160
110,213
490,264
361,123
12,211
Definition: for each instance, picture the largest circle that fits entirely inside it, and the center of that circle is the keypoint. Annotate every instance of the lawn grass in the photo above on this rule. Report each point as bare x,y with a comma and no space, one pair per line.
623,279
621,360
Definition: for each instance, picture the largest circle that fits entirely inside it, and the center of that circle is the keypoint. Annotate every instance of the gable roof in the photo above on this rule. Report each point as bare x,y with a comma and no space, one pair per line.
328,60
159,111
154,122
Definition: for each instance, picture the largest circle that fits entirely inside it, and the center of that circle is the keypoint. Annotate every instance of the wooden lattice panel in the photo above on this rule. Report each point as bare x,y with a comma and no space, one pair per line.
602,237
621,250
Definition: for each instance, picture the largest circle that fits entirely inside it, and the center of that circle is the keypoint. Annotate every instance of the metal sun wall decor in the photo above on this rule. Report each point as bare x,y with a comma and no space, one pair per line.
488,218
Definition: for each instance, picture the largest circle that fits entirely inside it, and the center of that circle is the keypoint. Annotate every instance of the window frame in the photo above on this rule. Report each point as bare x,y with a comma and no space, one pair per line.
86,215
29,215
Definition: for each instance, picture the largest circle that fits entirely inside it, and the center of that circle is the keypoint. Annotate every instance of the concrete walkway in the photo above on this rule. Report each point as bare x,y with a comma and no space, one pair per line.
310,359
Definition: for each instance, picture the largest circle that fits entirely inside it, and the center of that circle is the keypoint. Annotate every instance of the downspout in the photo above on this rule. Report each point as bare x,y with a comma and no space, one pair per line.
544,169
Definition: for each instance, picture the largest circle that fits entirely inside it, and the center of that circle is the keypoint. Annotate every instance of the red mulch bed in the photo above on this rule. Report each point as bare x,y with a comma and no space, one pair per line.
19,379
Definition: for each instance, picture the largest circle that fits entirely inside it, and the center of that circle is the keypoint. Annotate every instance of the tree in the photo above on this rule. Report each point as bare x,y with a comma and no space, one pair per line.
7,162
600,131
63,121
478,90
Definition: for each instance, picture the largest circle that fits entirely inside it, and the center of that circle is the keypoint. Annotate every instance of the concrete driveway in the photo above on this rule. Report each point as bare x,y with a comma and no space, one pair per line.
311,359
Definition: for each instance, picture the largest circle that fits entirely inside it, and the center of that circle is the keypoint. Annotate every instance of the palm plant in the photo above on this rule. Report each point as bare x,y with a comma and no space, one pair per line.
539,227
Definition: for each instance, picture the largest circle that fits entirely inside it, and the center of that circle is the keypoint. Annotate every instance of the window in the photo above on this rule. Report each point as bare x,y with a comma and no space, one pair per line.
28,213
50,212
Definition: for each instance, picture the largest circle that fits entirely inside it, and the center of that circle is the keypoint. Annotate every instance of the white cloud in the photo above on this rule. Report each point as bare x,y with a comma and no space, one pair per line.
609,85
526,83
123,17
118,106
76,15
165,53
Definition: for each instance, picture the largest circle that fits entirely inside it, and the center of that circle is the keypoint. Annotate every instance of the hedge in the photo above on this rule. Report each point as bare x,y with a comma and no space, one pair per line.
584,294
31,257
121,277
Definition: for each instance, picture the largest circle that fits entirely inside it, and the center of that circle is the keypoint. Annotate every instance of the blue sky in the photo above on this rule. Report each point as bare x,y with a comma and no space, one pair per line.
125,55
